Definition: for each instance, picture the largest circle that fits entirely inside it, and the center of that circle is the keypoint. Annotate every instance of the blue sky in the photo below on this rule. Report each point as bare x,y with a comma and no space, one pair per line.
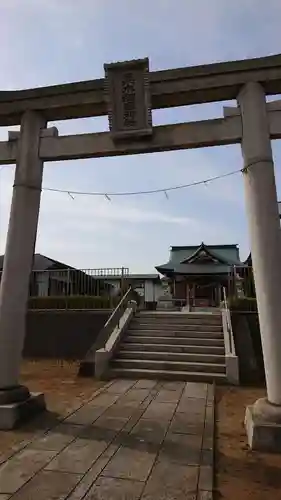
46,42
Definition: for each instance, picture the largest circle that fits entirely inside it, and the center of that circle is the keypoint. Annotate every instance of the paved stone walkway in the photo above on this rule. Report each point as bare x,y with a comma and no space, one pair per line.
134,440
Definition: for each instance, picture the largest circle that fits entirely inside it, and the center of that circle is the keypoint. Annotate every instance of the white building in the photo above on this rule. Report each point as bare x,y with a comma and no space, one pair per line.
148,286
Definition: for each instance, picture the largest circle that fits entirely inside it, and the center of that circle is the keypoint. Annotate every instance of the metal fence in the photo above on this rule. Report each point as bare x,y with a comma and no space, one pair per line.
241,282
77,282
66,282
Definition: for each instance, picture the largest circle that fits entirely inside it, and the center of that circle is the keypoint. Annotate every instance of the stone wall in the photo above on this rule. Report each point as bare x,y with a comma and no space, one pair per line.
62,334
247,340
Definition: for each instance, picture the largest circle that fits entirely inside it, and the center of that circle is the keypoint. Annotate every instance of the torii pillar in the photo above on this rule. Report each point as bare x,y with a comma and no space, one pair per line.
263,419
15,400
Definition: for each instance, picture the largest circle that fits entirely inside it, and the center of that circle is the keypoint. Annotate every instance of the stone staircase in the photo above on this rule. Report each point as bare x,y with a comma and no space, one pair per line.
172,345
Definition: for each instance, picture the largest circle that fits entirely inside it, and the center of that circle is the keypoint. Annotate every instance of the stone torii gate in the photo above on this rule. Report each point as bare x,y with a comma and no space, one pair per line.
127,95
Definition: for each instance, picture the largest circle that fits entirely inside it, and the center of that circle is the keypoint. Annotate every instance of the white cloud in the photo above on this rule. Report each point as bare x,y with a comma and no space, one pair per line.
113,211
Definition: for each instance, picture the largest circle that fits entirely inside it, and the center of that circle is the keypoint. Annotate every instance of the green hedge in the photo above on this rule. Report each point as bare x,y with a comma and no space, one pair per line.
246,304
73,302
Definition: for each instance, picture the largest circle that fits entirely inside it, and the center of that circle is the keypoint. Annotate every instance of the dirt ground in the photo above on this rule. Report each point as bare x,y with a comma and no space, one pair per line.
240,473
64,392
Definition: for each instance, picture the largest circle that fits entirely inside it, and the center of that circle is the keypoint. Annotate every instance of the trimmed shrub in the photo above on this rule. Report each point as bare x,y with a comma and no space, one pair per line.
73,302
245,304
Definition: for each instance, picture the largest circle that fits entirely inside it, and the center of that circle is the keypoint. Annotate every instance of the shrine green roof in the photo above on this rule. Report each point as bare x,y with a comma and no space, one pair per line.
201,259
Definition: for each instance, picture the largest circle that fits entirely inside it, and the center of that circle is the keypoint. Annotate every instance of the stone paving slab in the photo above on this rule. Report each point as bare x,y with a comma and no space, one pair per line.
136,440
134,396
211,395
165,396
163,411
171,481
13,450
85,415
182,449
120,411
145,384
98,434
89,478
22,467
206,478
48,485
187,424
57,439
173,386
195,390
150,431
109,488
192,406
113,423
130,464
78,457
121,386
104,400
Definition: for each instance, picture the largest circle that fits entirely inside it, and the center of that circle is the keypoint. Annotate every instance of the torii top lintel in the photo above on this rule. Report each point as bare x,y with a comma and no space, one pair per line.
168,88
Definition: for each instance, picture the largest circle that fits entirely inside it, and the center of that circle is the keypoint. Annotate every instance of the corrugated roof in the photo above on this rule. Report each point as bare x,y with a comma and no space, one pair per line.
153,277
41,263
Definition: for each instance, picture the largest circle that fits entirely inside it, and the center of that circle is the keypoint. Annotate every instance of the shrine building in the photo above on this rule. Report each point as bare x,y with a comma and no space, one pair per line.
198,274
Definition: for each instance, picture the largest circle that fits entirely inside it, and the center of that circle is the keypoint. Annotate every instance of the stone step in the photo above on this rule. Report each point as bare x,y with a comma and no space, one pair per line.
168,365
173,333
180,320
133,373
179,327
142,339
179,314
171,356
199,349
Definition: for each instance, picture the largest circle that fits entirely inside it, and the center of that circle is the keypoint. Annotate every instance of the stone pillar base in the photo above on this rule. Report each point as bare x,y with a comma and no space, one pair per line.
263,426
13,394
14,413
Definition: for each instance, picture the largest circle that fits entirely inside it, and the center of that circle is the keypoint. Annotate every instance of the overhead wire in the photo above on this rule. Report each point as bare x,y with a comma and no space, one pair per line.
108,195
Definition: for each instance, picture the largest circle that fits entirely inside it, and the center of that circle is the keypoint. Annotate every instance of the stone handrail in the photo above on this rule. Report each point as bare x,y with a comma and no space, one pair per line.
231,359
226,318
113,320
87,365
104,355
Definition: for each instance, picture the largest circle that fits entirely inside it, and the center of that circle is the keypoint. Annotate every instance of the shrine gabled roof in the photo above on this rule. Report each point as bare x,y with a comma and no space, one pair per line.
248,261
201,259
209,254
